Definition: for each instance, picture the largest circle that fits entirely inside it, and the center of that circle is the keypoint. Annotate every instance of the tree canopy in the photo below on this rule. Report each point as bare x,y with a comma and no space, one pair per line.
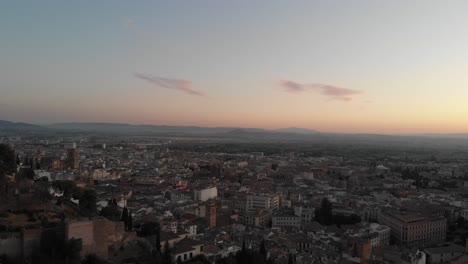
7,160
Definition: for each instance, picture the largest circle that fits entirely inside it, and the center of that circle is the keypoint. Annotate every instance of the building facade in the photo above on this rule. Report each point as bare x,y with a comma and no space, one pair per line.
262,202
204,195
414,230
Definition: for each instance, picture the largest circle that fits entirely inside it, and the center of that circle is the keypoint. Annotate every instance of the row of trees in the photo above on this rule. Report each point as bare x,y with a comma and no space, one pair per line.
249,256
87,196
152,232
7,166
113,213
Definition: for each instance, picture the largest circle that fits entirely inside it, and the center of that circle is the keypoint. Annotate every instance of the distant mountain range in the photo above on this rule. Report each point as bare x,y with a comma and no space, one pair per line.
292,134
297,130
145,129
7,125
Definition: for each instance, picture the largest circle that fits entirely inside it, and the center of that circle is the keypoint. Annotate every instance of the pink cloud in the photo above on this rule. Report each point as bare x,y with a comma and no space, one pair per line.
331,91
174,84
292,87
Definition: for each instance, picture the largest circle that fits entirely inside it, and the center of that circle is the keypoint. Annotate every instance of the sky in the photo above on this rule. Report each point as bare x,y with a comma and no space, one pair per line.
340,66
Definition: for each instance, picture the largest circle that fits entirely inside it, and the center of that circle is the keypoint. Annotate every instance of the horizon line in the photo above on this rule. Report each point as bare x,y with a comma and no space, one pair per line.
246,127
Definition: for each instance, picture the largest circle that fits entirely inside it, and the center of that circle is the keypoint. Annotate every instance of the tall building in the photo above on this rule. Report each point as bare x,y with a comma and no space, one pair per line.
73,160
263,202
204,195
410,229
211,215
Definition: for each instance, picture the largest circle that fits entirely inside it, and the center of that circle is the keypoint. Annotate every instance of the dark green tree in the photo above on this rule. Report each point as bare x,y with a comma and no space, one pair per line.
124,217
324,214
51,243
152,231
130,221
158,239
88,201
68,187
7,166
149,229
4,259
263,252
461,222
93,259
111,212
243,256
71,251
7,160
167,254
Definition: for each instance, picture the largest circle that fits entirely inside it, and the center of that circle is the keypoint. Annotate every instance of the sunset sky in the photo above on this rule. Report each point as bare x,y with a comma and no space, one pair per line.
341,66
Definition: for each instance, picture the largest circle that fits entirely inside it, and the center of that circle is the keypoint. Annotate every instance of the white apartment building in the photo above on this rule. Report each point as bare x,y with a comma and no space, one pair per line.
262,201
204,195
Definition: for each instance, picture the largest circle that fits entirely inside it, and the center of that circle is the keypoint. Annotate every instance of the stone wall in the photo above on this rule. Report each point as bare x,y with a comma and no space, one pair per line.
11,245
83,230
98,234
31,241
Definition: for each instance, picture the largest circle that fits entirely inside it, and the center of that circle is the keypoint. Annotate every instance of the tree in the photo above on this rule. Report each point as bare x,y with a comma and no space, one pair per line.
243,256
71,250
158,239
263,251
110,212
93,259
461,222
4,259
149,229
130,222
152,231
51,243
167,254
200,259
77,193
7,166
324,214
41,189
68,187
124,217
7,160
88,201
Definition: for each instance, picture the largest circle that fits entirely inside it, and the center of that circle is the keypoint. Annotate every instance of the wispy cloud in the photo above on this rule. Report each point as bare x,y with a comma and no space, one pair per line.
174,84
331,91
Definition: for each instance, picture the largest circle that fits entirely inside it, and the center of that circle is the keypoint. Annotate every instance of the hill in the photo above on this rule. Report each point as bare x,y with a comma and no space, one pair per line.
7,125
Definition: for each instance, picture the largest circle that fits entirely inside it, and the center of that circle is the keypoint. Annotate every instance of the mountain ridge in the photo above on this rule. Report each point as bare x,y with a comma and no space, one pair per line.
199,130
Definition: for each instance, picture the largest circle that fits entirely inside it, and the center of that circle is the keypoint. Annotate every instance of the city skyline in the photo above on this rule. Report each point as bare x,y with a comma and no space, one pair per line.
352,67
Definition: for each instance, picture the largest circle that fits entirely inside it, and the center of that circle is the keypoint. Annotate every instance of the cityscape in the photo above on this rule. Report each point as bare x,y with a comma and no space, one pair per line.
233,132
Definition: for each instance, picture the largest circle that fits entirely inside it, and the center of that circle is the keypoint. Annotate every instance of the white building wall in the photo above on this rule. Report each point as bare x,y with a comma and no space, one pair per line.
205,194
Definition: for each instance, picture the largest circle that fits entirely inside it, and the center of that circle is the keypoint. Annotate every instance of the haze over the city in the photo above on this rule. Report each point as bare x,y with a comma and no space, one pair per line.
339,66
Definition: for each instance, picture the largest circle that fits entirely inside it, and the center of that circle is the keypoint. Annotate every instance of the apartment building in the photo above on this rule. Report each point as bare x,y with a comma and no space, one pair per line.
263,202
411,229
